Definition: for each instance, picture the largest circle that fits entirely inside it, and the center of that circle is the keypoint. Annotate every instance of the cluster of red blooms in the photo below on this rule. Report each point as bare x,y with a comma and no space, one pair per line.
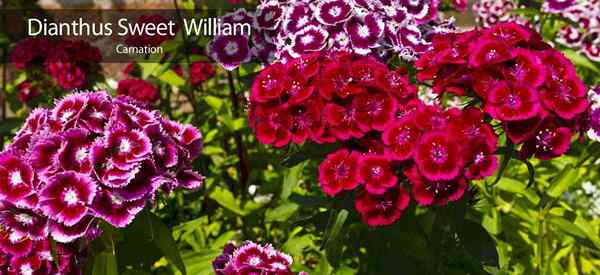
521,81
69,63
384,129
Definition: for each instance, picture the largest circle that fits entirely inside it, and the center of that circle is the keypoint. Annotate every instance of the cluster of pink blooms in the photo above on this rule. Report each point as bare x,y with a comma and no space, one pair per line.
593,120
69,63
521,81
357,100
90,158
250,258
585,37
284,30
491,12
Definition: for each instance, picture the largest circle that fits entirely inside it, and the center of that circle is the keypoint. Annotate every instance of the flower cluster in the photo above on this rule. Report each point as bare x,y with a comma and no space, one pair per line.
91,157
593,120
491,12
531,88
585,37
27,256
284,30
68,62
374,110
138,89
250,258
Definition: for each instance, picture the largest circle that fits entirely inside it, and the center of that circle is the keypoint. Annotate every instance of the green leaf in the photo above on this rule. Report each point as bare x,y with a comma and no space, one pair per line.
518,188
200,263
581,61
478,243
567,178
172,78
163,239
567,226
226,199
214,102
333,246
281,213
9,125
105,263
291,177
508,152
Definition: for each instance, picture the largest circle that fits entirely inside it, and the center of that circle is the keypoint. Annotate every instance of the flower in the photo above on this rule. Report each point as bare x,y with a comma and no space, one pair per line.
376,173
230,51
201,71
67,197
252,258
437,156
384,209
28,51
339,172
16,178
26,91
435,192
138,89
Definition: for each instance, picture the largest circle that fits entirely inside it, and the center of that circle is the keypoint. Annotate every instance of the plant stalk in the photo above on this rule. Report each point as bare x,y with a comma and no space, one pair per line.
239,142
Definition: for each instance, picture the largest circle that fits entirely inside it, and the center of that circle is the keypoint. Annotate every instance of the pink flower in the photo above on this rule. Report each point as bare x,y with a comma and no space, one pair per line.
401,138
27,92
230,51
200,72
512,103
16,178
28,51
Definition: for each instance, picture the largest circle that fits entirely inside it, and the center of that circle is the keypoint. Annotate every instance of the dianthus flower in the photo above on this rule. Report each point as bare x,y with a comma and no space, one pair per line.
282,31
251,258
585,36
384,130
138,89
531,88
90,157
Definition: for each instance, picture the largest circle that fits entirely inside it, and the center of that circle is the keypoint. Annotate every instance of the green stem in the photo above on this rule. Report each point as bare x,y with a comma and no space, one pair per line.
239,142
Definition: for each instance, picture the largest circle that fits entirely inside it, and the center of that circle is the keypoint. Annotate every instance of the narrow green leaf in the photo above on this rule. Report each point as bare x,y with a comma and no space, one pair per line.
226,199
163,239
582,61
105,263
505,160
567,178
214,102
333,246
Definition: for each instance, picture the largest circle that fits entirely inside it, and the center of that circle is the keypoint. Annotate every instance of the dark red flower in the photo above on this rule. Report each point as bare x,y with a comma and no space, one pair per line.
16,178
374,110
381,210
436,192
508,103
201,71
489,51
138,89
272,125
549,141
270,84
29,50
26,91
401,138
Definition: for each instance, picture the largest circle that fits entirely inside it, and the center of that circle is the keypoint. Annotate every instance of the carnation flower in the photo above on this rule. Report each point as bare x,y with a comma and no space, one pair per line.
200,72
28,51
384,209
252,258
435,192
89,158
376,173
26,91
282,31
339,172
138,89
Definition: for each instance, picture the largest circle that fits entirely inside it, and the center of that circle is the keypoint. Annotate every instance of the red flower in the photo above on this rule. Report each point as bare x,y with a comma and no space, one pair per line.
437,192
377,174
26,91
487,52
566,97
374,110
29,50
509,103
401,138
339,172
438,156
381,210
200,72
138,89
549,141
270,83
342,120
272,125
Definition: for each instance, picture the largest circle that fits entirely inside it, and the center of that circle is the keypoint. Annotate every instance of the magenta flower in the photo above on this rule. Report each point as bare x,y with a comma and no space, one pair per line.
512,103
365,34
230,51
437,156
115,210
67,196
436,192
251,258
376,173
309,39
16,178
400,139
24,223
333,12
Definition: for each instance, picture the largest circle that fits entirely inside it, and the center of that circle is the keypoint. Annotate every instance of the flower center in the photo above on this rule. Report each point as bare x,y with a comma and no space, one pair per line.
403,136
254,261
544,140
437,187
269,16
376,171
26,269
438,153
512,101
341,171
307,39
70,196
384,205
81,154
65,116
15,178
479,157
363,31
335,11
125,146
491,54
231,48
25,219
